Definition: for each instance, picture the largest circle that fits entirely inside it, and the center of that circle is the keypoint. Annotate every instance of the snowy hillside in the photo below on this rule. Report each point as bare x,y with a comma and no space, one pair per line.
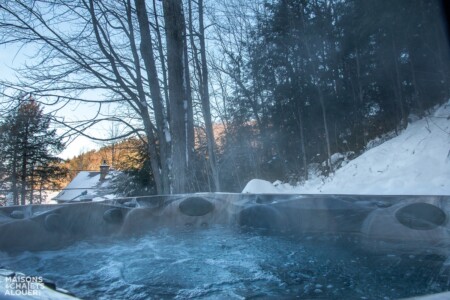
417,162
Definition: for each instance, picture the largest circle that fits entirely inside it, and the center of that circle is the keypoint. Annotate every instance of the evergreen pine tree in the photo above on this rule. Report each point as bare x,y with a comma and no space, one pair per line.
27,155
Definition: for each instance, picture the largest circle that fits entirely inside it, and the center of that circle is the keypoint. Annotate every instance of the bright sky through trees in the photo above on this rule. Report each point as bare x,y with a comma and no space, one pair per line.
13,57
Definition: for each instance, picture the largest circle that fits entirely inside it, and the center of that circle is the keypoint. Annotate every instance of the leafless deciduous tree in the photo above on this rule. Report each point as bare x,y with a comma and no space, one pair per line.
201,66
88,48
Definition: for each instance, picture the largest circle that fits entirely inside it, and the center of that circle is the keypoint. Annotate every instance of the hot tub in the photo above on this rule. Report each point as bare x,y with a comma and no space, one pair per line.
235,246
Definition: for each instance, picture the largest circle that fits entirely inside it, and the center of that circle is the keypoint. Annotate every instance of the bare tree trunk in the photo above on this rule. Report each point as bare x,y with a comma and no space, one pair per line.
24,167
157,100
202,69
325,124
206,102
153,155
32,184
398,86
443,58
190,133
14,178
302,143
40,192
318,87
178,106
161,56
416,94
360,93
23,179
299,116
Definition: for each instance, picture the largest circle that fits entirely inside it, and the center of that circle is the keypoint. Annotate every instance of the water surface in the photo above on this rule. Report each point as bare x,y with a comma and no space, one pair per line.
223,263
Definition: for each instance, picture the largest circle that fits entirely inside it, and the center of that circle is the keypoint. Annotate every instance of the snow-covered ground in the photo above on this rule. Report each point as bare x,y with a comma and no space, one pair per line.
416,162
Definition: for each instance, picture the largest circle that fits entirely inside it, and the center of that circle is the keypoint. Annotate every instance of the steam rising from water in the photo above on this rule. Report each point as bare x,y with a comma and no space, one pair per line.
220,262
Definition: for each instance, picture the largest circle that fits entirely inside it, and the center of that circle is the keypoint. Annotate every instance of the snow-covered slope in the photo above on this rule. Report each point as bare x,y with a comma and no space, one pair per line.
417,162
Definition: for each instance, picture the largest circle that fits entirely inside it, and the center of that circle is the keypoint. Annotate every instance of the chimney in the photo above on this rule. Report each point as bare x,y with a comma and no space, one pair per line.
104,169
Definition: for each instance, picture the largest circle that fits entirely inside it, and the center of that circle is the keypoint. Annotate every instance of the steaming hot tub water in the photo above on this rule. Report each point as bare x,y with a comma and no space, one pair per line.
215,260
219,262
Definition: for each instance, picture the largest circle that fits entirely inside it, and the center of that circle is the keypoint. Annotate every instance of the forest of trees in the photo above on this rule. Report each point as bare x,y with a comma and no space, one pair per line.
218,93
320,77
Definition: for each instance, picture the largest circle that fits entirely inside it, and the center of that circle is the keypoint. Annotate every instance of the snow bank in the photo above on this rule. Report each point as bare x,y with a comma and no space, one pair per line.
417,162
262,187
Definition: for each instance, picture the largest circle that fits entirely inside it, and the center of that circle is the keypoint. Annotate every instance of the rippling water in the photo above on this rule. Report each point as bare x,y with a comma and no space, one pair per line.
222,263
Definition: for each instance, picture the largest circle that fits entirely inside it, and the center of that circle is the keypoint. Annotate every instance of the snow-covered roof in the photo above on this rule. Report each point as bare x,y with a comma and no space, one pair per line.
86,186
